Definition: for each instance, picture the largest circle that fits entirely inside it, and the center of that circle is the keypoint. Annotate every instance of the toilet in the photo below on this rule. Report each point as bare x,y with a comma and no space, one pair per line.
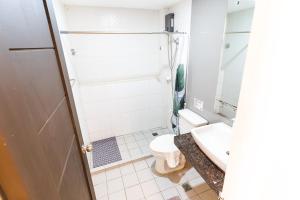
168,158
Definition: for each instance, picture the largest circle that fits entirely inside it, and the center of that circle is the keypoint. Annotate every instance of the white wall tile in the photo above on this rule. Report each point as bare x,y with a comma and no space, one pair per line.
113,106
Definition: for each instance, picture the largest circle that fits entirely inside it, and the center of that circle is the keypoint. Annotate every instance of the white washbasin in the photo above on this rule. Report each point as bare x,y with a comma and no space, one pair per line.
214,140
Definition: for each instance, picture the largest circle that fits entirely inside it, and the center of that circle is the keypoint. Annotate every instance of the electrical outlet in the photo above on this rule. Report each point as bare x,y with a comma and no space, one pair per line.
198,104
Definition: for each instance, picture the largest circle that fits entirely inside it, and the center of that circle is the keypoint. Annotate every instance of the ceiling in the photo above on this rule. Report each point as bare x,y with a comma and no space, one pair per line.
141,4
236,5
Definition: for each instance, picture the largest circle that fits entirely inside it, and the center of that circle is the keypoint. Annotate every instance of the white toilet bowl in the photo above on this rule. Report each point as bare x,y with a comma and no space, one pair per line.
167,155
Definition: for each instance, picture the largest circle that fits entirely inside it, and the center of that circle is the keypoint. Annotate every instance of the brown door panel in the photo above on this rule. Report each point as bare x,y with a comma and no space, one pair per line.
39,132
24,24
19,139
40,84
56,139
37,127
72,186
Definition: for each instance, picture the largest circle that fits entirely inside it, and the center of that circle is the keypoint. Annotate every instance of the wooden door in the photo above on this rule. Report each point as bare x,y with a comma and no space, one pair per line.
39,133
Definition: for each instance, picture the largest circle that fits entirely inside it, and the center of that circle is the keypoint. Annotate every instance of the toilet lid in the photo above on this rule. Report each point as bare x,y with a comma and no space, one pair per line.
164,144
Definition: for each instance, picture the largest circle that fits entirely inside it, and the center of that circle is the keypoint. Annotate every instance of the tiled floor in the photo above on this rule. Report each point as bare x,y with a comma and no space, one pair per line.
138,180
136,145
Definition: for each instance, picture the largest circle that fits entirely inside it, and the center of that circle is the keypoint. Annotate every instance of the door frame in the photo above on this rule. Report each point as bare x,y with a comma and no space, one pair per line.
49,9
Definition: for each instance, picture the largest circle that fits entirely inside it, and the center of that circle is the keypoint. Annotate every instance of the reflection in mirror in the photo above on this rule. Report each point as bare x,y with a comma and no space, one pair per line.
236,37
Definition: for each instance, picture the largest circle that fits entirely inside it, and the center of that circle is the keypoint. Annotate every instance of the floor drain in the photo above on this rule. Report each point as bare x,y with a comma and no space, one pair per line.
155,134
186,187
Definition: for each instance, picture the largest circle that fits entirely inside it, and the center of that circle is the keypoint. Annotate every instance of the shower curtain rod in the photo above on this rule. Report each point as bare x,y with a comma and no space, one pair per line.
121,33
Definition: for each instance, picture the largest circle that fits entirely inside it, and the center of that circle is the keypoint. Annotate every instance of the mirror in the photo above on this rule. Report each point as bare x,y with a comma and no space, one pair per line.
233,56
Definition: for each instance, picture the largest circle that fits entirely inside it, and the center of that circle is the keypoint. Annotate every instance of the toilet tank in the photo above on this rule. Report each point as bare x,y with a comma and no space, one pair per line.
189,120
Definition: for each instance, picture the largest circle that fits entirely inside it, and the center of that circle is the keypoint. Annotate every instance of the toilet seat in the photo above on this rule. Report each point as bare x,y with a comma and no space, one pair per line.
164,148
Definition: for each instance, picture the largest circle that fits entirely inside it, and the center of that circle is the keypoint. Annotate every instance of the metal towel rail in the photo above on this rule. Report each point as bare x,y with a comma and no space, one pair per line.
227,104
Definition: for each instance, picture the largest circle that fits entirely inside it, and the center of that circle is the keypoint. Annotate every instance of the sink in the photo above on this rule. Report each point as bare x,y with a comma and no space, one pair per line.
214,140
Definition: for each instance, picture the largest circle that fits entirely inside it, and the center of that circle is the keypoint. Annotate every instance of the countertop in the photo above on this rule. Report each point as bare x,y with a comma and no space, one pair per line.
211,173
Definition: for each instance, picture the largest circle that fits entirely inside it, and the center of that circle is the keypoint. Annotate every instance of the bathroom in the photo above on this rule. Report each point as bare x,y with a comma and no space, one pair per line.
156,100
123,63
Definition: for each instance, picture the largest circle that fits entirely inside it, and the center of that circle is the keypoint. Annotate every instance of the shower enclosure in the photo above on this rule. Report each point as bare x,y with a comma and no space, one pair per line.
120,71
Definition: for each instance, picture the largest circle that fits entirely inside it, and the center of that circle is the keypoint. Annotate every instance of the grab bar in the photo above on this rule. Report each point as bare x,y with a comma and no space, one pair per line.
227,104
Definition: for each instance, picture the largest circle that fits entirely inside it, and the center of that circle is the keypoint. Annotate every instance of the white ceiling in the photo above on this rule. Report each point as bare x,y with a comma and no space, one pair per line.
141,4
234,6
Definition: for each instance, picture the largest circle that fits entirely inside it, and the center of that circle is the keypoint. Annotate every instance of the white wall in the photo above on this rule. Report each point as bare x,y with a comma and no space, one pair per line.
62,24
118,74
207,30
123,86
264,159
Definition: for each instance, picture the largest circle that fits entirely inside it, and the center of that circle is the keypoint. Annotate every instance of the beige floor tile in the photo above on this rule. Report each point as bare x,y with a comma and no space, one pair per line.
135,153
191,174
122,148
118,195
99,178
145,175
127,169
149,188
113,173
101,190
139,137
209,195
120,140
130,180
150,138
115,185
195,198
142,142
140,165
129,138
185,194
134,193
197,181
132,145
146,150
103,198
170,193
201,188
125,155
157,196
164,183
150,161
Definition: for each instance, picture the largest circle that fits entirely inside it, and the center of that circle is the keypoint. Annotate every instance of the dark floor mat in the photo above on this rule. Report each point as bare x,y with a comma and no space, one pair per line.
106,151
